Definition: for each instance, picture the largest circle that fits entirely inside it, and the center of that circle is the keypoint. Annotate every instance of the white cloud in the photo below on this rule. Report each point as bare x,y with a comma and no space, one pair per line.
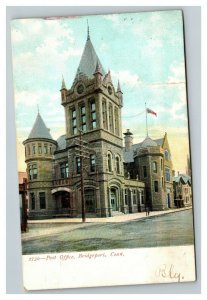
125,77
177,73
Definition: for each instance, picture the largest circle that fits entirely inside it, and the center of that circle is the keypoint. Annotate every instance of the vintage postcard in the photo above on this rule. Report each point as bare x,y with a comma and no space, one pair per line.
103,150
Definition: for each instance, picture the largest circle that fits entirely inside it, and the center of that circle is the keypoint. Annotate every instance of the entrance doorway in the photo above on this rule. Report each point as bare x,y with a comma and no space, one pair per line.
168,198
113,199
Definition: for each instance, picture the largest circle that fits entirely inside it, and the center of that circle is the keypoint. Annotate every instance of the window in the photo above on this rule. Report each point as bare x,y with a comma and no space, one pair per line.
162,182
50,150
42,200
109,163
83,118
126,196
111,127
90,200
74,121
45,149
92,163
167,174
39,149
144,171
154,166
33,149
116,121
142,197
28,150
167,156
93,114
156,186
34,167
33,171
64,170
78,165
134,197
117,165
32,199
104,113
161,165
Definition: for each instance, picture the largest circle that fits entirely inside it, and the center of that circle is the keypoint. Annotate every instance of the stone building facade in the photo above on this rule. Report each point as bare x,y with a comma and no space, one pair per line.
116,179
182,190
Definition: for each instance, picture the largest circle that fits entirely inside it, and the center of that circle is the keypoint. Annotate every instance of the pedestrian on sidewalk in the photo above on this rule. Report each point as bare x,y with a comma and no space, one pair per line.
147,211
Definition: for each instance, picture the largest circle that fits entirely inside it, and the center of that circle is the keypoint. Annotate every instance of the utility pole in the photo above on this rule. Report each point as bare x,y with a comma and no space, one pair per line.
82,182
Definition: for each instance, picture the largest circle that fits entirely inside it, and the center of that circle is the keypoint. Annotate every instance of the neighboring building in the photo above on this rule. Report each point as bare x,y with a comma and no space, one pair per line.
23,204
150,161
182,190
116,179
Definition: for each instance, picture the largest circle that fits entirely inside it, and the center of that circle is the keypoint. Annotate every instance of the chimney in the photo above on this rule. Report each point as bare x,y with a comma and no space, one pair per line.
128,140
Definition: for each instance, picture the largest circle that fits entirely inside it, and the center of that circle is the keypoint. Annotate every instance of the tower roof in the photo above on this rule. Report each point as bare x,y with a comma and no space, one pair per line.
89,60
148,142
63,84
39,129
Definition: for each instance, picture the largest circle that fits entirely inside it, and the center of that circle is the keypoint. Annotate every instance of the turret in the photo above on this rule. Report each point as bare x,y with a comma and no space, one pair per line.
119,93
128,140
98,75
63,91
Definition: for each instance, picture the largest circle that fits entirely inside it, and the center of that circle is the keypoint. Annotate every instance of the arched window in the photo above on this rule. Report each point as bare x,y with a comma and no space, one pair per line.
117,165
167,156
154,166
109,162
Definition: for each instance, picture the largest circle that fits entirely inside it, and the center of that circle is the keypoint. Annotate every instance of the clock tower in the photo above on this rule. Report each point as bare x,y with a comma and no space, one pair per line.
93,106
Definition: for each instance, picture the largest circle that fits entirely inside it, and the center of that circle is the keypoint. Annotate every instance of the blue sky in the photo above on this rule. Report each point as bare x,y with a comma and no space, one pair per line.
144,51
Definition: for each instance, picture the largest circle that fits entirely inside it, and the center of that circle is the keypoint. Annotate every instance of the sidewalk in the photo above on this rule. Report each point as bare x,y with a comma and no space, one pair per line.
51,227
120,218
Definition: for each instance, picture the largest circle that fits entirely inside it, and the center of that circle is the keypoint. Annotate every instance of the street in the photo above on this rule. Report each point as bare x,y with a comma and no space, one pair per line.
162,230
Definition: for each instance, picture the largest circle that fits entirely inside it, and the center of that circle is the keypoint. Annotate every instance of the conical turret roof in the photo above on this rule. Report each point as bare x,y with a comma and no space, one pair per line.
39,129
89,60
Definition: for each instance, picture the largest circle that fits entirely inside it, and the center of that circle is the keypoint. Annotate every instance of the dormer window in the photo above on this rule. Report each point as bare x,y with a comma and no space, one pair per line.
167,154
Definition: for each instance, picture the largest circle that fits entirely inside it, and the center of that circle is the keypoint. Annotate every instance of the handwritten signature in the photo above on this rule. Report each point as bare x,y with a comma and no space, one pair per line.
168,271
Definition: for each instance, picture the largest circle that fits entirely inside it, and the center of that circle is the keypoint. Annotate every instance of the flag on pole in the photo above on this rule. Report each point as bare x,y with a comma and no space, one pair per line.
149,111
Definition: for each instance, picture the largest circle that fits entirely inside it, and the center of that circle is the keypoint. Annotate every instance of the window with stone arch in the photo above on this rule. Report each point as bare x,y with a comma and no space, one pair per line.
109,157
117,164
104,115
116,120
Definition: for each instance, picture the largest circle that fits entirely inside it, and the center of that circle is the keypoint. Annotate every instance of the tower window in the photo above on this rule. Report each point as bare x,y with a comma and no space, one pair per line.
45,149
117,165
33,171
104,113
93,114
92,163
64,170
109,163
78,165
161,165
28,150
32,199
83,118
39,149
154,166
111,128
162,182
156,186
50,150
144,171
74,121
42,200
33,149
116,121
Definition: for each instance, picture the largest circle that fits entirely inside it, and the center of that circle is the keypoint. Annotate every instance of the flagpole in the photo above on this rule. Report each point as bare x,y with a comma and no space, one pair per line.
146,119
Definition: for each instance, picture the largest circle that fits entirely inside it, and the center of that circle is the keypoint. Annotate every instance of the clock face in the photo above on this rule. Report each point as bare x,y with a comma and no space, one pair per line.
109,90
80,89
